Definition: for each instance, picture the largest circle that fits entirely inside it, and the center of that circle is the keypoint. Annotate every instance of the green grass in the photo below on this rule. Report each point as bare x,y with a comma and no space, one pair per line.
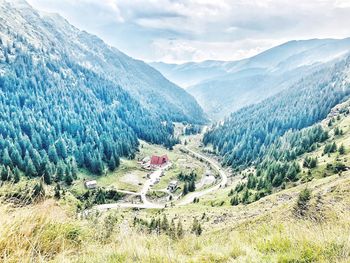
114,179
45,232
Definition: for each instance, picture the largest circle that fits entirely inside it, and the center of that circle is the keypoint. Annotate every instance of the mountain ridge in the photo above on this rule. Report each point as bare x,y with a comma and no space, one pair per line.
89,51
224,87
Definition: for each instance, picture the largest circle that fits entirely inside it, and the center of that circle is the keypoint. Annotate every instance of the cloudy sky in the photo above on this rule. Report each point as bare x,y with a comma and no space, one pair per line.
196,30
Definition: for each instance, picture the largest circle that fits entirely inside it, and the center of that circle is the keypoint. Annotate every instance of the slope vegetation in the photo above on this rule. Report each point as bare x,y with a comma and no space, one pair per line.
62,108
56,37
246,134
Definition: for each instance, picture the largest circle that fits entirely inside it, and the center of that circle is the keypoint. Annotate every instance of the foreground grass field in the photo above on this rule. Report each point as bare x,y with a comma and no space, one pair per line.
266,231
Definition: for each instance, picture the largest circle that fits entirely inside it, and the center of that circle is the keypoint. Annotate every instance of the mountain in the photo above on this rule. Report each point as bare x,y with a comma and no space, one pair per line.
224,87
243,138
52,33
190,74
68,101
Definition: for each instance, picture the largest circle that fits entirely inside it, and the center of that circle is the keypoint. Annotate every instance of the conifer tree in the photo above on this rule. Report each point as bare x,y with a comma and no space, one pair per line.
68,179
60,172
179,230
53,156
30,168
16,175
165,224
185,190
6,160
172,229
57,190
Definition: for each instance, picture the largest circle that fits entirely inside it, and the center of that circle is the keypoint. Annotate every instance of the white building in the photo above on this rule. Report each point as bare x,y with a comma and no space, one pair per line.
91,184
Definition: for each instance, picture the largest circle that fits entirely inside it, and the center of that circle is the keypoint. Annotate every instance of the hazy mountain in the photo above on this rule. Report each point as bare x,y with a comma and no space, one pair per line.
55,35
189,74
224,87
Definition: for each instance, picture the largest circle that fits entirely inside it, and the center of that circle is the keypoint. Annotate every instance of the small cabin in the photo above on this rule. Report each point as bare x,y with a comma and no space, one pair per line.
158,161
172,186
91,184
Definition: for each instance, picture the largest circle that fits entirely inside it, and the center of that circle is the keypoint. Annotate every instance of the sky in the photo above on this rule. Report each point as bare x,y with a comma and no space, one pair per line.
195,30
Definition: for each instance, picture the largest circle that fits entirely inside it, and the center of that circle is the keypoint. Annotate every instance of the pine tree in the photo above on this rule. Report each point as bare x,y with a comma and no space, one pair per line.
179,230
192,186
53,156
68,179
234,201
60,172
16,175
16,158
341,149
165,224
334,147
74,168
98,166
199,230
100,197
117,161
245,197
57,190
30,168
47,174
196,227
3,173
61,148
9,174
152,225
38,190
303,201
185,190
172,229
112,164
6,160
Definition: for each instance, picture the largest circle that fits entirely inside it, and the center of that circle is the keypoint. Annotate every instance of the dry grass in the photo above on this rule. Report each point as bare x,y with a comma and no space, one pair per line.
47,233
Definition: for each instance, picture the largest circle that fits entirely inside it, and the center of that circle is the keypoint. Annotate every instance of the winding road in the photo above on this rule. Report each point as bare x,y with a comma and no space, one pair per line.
190,197
146,204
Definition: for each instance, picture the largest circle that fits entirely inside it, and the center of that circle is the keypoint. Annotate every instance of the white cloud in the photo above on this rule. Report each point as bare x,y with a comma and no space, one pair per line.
178,51
184,30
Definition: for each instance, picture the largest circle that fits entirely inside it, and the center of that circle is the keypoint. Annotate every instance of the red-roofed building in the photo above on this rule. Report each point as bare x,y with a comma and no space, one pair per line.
159,160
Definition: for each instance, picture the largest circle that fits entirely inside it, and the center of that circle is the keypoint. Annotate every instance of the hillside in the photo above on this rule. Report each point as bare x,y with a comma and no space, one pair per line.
244,137
63,109
276,228
224,87
55,36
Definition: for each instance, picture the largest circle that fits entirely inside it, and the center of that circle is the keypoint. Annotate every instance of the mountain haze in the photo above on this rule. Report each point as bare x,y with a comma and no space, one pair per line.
224,87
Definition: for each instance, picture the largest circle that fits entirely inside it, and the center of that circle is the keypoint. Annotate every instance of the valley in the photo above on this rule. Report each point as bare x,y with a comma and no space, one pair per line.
104,159
158,179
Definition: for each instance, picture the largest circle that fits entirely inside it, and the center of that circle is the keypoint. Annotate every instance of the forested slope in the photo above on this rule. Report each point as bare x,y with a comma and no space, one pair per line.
244,137
54,35
59,112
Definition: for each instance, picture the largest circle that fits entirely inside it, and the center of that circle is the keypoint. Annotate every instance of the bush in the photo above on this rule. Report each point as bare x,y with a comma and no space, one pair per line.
303,202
